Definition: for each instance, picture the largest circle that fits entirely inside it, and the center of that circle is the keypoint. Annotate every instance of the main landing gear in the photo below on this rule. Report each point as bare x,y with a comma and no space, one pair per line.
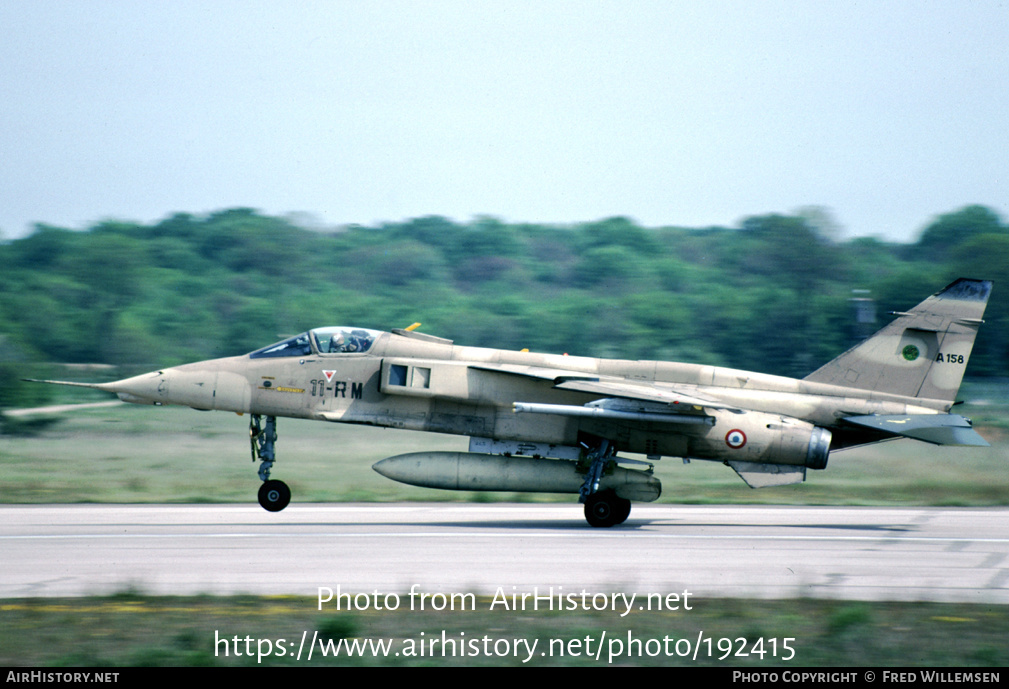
273,495
603,508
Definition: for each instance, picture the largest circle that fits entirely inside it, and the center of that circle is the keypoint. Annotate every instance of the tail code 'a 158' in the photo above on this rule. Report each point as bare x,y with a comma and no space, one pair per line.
923,353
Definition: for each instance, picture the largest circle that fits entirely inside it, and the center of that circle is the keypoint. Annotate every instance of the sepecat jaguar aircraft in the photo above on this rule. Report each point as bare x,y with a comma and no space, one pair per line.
555,423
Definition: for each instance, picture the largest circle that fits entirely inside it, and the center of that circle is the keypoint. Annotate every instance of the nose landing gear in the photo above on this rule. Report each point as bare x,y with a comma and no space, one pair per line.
273,495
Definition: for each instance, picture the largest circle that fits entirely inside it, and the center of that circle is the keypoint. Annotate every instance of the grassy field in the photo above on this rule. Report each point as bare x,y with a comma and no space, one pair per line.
169,454
134,630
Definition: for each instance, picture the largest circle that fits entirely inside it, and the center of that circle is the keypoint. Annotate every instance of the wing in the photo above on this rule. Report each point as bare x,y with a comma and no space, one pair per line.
620,398
643,392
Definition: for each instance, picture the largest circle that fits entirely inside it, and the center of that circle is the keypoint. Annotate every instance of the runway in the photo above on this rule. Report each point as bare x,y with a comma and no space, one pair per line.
907,554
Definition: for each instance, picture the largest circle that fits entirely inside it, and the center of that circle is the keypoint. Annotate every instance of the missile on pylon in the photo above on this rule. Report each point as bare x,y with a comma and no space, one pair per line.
476,471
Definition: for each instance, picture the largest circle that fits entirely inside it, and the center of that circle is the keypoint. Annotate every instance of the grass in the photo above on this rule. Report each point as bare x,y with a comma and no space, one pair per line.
136,630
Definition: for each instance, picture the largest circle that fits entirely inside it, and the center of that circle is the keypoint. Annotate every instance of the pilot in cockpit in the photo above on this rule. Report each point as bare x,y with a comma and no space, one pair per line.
338,343
356,341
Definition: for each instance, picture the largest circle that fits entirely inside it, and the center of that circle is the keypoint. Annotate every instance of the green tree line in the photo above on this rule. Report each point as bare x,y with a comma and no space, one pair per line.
773,294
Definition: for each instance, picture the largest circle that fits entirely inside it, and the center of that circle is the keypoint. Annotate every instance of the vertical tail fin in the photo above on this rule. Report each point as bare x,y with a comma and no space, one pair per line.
923,353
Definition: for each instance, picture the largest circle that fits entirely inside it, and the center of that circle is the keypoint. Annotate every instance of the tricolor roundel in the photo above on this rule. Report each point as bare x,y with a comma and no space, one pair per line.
735,438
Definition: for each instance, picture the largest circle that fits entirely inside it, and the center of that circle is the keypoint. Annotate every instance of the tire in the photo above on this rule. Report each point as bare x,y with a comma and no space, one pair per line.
274,495
605,509
624,510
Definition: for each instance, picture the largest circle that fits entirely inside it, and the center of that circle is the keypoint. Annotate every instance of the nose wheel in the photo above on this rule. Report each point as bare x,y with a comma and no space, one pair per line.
274,495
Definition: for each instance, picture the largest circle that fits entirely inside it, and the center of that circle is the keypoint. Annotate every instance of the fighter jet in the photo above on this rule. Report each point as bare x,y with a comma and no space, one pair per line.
556,423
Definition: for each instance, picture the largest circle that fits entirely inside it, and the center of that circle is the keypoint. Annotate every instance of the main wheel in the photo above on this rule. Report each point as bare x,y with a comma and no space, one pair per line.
274,495
624,510
605,509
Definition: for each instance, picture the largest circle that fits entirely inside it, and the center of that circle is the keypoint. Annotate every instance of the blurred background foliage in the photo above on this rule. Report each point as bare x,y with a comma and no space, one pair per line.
774,294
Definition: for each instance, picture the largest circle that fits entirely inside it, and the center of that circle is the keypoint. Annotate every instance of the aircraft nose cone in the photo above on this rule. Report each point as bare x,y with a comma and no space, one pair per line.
205,385
147,388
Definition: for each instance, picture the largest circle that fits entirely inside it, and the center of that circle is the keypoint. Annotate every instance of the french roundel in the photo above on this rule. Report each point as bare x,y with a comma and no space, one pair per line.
735,438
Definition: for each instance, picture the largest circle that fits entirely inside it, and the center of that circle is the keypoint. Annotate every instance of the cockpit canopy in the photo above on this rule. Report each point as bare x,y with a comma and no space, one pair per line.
333,340
343,340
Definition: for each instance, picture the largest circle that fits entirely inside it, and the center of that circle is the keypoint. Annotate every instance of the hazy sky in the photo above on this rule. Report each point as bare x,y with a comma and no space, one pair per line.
672,113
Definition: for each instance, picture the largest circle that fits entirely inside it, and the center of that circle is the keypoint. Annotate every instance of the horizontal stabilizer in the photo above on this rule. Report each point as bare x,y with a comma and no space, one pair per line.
940,429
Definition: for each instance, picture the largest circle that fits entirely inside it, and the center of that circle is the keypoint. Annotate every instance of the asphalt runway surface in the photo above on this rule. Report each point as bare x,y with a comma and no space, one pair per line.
853,553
